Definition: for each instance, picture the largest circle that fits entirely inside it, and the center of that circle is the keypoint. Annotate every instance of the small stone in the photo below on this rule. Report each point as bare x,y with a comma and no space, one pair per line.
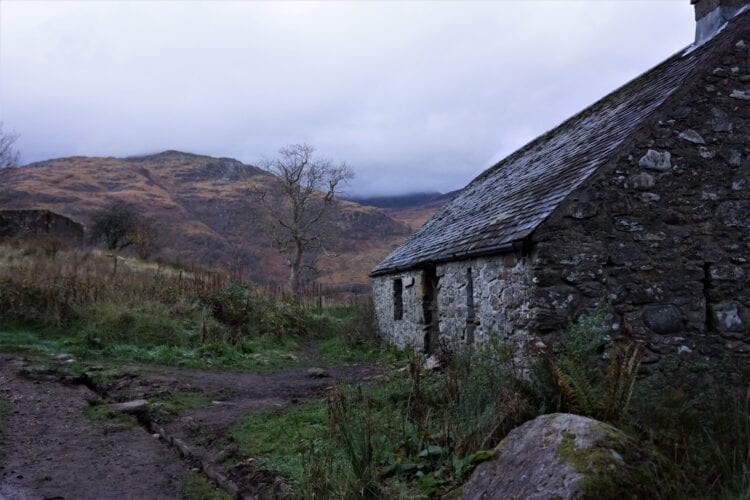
650,197
691,135
317,373
682,112
706,153
720,72
663,319
741,45
740,94
731,156
584,210
720,121
629,226
643,181
735,70
683,349
656,160
739,185
727,316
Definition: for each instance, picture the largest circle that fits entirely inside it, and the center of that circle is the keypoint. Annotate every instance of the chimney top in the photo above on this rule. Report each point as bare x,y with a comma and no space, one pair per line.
711,15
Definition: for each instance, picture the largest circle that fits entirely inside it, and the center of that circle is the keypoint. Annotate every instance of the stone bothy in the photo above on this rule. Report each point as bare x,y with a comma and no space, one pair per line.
35,223
639,204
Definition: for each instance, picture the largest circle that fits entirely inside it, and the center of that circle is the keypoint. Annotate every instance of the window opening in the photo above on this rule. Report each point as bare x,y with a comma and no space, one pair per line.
398,299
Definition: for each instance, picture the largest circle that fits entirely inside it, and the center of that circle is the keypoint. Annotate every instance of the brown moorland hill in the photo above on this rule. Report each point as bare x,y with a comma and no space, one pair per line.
204,207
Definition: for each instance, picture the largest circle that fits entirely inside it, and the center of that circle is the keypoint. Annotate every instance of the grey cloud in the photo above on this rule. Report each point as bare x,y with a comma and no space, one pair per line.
415,96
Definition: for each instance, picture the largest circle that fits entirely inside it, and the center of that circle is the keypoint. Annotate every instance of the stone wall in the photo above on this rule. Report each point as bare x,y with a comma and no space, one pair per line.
409,331
33,223
499,289
663,231
499,302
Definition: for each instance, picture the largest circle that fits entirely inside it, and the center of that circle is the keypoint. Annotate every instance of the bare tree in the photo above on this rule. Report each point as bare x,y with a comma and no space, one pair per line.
8,154
120,225
294,211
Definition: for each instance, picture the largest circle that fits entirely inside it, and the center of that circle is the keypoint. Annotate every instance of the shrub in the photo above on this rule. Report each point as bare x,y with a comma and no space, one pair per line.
146,324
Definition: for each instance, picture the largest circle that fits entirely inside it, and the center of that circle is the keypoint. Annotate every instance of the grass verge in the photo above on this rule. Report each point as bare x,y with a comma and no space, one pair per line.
280,439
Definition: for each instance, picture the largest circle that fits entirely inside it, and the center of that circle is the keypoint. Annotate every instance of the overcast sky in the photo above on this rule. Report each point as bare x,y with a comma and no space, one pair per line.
415,96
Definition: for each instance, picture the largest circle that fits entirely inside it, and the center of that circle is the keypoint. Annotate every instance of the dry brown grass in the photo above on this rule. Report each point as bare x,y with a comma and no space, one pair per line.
205,215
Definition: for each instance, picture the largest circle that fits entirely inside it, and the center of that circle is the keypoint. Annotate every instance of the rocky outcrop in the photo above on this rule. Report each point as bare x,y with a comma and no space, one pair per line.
565,456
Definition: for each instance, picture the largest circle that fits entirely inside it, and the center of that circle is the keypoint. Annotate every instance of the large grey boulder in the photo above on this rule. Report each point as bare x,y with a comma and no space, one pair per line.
566,457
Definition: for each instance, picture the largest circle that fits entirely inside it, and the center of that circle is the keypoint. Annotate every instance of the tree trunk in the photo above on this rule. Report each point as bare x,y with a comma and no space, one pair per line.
294,269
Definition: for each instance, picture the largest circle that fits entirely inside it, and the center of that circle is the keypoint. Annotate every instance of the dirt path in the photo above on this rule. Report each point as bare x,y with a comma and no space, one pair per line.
52,450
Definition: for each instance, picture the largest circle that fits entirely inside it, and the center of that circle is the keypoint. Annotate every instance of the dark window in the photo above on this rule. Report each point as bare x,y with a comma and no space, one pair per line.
398,299
470,320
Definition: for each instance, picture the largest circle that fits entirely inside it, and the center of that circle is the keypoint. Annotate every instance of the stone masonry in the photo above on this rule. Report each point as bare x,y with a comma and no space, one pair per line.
658,234
662,232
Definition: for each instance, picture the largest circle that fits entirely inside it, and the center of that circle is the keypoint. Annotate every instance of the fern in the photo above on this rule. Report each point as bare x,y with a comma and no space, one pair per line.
619,381
585,387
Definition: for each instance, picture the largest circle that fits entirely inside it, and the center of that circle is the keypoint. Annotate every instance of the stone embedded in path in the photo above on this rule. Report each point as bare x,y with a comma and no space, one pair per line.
131,407
317,373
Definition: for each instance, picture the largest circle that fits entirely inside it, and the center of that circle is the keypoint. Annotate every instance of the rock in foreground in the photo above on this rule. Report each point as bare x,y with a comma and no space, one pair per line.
565,456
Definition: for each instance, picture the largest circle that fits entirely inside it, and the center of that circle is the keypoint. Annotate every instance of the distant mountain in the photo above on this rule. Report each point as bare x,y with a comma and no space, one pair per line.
411,209
205,209
409,200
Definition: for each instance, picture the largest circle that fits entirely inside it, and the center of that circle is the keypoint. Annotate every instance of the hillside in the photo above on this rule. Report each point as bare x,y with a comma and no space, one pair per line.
204,208
412,209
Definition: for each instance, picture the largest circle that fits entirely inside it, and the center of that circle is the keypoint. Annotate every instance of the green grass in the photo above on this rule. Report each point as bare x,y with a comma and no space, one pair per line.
45,341
178,402
252,354
279,439
102,413
339,350
198,487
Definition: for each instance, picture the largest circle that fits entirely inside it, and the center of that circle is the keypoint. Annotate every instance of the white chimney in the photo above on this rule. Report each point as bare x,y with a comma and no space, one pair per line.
712,15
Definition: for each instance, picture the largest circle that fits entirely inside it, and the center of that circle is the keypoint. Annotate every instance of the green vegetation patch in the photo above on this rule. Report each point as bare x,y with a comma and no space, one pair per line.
198,487
279,439
102,413
178,402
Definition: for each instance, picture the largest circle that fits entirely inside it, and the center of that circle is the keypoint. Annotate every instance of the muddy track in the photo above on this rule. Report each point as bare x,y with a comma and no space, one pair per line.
52,450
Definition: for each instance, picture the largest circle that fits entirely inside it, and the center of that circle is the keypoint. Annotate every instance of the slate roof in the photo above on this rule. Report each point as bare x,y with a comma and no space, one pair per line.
508,201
